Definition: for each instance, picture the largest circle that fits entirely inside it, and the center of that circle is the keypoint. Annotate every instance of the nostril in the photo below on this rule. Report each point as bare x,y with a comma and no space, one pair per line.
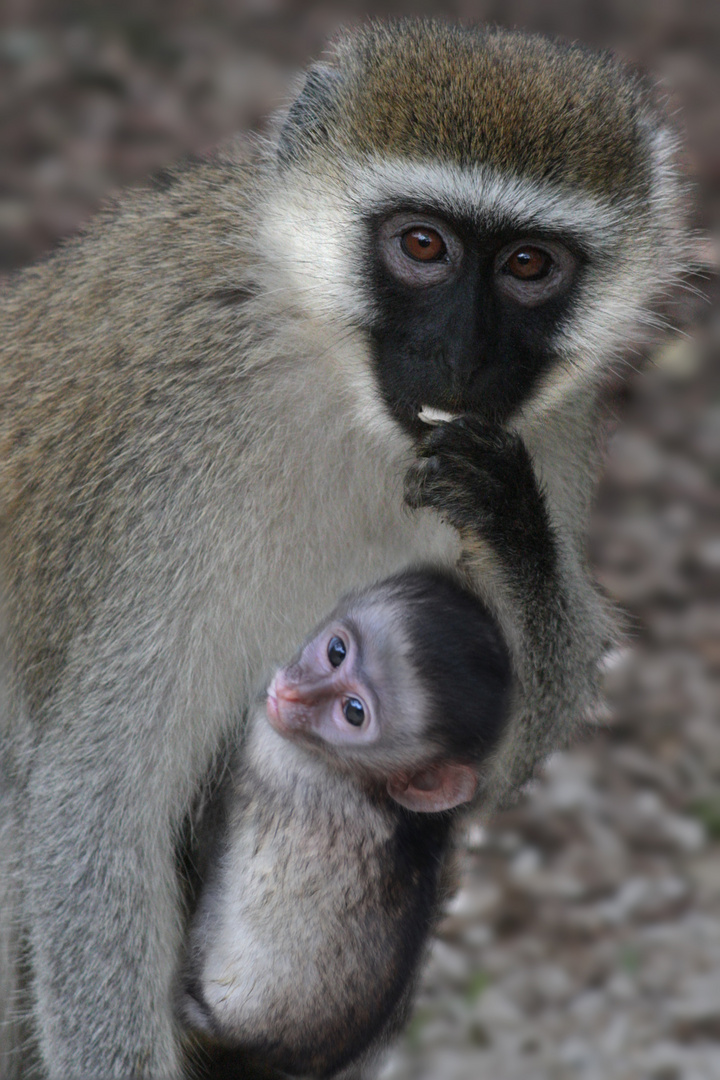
282,690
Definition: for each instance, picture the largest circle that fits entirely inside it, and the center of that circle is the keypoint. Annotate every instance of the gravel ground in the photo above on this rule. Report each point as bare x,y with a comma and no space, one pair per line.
585,939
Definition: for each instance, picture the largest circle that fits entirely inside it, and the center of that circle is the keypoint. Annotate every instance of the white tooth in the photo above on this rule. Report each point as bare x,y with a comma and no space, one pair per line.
429,415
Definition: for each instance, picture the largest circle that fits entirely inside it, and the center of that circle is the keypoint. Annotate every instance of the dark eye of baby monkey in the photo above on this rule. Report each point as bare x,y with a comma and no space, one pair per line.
354,712
336,651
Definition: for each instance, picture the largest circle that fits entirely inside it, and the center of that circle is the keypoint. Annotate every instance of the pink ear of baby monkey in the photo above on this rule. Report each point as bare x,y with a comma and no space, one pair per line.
439,787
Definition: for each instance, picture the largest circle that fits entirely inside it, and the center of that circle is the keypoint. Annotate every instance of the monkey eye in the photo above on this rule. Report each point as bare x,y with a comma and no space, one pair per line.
531,273
528,263
354,711
423,244
336,651
419,250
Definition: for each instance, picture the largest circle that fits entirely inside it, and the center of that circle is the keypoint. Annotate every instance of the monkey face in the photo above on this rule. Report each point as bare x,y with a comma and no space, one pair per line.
466,314
476,291
351,693
489,212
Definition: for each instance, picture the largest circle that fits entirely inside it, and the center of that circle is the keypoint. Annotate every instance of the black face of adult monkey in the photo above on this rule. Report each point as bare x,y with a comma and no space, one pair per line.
207,410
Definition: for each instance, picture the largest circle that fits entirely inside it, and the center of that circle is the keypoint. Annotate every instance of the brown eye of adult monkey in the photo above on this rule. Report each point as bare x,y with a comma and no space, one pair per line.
528,263
423,245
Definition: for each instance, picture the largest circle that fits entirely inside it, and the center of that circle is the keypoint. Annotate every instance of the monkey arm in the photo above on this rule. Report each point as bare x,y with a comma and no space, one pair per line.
481,480
111,770
101,881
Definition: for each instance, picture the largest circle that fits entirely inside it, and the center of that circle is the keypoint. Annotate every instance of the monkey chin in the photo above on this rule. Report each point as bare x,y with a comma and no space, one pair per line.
282,724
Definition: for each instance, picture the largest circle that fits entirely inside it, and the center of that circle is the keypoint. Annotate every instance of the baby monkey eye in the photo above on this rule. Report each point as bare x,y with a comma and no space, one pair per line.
354,712
423,244
336,651
528,263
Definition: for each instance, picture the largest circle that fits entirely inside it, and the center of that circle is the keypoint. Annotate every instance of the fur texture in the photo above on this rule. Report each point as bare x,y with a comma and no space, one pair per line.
309,991
314,918
197,458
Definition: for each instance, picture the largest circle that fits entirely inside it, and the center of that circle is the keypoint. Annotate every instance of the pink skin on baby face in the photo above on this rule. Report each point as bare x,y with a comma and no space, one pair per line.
325,693
329,695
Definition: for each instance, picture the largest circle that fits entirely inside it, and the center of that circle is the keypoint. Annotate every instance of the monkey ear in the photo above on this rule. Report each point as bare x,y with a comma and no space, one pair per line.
305,123
440,787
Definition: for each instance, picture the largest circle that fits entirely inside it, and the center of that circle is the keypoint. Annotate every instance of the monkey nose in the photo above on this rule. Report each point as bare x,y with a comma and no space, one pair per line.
285,692
289,706
290,693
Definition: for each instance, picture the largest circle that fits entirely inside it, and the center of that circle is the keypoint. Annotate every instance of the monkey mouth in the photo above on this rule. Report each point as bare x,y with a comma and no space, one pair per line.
274,709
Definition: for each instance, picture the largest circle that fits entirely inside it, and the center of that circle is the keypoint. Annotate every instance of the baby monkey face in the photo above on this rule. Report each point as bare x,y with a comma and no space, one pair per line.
353,695
334,691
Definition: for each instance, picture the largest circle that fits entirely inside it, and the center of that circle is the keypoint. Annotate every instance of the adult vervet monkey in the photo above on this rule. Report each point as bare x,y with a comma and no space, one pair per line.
208,406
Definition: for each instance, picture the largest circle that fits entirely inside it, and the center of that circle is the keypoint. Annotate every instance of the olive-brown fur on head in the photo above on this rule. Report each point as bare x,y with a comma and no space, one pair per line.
524,104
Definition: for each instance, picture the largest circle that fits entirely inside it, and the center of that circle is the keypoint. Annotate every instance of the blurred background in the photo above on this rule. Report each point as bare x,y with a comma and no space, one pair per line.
585,939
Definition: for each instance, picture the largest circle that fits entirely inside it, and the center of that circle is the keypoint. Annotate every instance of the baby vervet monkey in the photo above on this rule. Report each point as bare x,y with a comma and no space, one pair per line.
308,935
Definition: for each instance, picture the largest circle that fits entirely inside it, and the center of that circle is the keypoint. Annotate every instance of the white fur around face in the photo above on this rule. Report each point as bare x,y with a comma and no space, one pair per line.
493,199
313,227
314,232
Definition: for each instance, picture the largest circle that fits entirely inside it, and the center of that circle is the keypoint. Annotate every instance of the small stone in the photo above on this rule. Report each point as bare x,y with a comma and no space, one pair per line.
575,1052
696,1014
478,1034
525,864
687,833
494,1008
474,903
705,873
621,988
665,1072
446,964
476,838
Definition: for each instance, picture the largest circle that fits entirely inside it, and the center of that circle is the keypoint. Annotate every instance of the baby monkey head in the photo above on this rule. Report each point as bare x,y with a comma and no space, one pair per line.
406,683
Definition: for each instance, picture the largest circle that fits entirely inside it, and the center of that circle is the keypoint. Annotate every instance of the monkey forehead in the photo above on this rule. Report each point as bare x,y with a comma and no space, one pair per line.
481,195
520,103
375,620
387,660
